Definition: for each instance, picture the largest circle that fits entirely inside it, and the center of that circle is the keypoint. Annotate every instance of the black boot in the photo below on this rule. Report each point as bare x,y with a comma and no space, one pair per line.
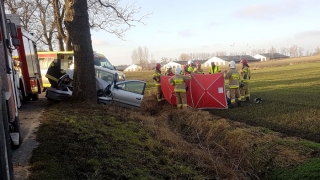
247,98
239,103
230,105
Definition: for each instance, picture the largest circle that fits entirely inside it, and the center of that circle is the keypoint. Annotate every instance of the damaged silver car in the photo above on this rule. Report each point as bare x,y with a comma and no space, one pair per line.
111,88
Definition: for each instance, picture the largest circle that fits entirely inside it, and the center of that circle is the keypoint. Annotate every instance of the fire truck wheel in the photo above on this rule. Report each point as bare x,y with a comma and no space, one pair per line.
16,128
5,151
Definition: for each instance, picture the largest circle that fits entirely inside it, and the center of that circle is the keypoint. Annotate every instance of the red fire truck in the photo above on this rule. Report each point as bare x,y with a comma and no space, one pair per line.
10,135
26,62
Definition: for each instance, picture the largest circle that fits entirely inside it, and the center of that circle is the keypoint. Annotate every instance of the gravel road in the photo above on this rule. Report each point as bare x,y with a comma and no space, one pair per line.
29,114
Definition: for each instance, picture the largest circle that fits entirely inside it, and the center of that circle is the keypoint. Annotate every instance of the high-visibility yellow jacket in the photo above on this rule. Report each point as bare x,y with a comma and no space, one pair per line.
156,77
190,69
245,74
234,78
214,70
179,82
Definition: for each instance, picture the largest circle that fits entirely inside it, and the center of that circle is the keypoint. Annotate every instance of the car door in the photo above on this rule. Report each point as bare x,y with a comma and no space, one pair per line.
129,93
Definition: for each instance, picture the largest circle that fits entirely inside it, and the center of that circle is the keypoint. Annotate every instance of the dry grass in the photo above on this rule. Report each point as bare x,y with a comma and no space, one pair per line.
221,148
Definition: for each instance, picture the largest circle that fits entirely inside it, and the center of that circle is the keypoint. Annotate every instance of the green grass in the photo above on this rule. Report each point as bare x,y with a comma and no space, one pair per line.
306,171
291,100
88,144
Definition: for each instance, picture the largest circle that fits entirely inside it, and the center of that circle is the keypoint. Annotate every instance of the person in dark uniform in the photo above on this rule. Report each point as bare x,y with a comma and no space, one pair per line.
54,73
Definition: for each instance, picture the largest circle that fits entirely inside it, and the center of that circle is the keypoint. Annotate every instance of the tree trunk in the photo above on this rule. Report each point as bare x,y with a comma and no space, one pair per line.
60,43
77,24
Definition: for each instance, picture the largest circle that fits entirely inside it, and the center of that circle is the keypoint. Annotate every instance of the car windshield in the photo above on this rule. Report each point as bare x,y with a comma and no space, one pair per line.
103,62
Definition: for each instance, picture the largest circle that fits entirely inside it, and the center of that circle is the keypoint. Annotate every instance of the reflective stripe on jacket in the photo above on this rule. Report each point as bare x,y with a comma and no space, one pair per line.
245,74
156,77
51,77
54,71
234,78
179,82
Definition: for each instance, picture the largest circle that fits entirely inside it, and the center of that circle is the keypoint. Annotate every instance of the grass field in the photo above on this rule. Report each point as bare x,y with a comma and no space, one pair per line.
161,142
291,102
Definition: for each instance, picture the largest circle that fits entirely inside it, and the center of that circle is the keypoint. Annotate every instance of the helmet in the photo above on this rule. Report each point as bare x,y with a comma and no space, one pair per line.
190,62
244,61
258,100
158,66
232,64
178,70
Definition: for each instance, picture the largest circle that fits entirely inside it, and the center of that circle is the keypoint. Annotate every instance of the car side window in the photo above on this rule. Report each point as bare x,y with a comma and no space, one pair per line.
132,86
106,76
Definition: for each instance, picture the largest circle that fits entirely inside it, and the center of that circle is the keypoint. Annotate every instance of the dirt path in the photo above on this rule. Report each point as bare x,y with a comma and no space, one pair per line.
29,115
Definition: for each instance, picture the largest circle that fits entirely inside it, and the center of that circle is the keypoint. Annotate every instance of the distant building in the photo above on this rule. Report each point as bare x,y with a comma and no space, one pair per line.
224,60
133,67
172,64
216,60
270,56
121,67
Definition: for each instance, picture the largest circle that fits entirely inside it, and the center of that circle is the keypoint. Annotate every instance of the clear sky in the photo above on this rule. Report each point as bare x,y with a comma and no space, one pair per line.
207,26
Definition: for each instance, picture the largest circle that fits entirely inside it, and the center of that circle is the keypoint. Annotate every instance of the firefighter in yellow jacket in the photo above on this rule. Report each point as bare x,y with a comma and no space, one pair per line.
245,79
179,83
234,79
190,67
214,68
156,78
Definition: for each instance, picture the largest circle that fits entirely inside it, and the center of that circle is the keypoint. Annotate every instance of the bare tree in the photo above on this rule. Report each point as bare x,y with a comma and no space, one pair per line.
152,62
26,9
63,36
284,50
317,50
36,17
300,49
140,56
164,60
106,15
46,26
184,57
294,51
221,53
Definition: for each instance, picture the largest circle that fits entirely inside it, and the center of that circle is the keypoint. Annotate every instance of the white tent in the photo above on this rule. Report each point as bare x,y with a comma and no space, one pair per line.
216,60
172,64
133,67
262,58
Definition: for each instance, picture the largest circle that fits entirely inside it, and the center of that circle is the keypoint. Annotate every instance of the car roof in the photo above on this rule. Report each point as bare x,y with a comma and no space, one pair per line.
132,81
